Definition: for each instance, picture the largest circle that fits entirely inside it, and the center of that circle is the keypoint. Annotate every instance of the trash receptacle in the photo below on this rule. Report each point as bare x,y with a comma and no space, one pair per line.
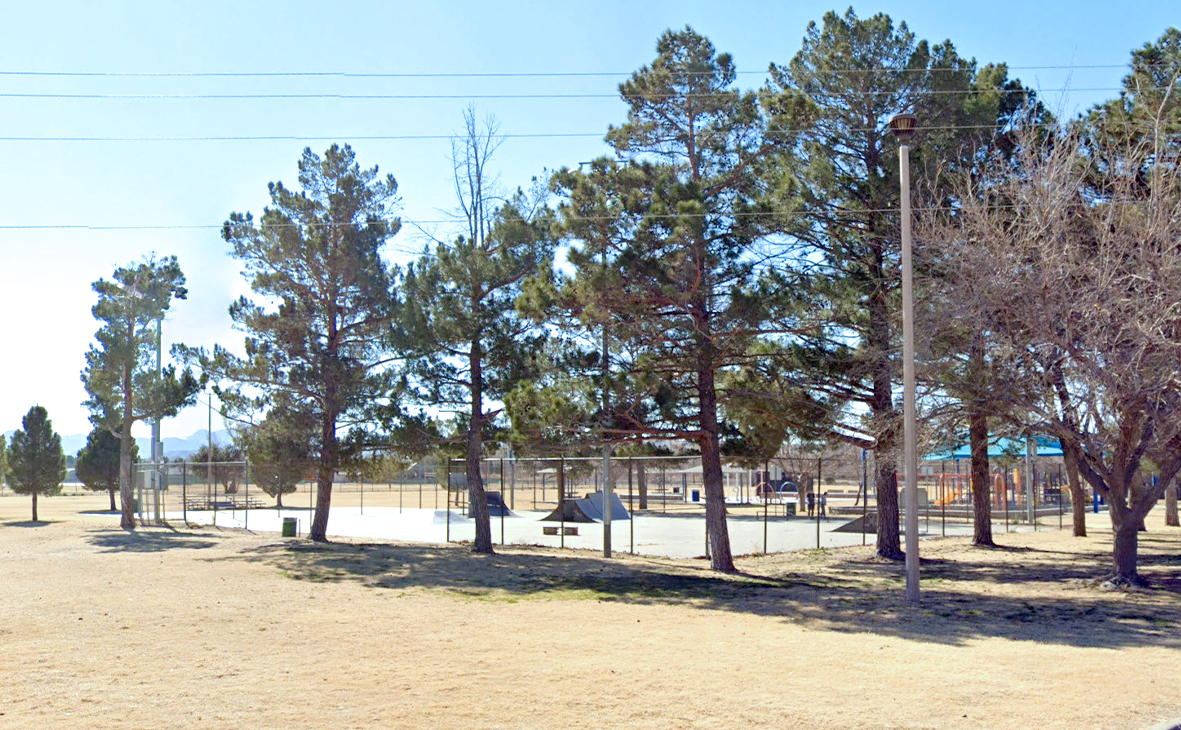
696,495
288,527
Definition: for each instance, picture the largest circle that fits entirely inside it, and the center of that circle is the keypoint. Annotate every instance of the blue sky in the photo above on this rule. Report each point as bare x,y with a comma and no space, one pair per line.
184,190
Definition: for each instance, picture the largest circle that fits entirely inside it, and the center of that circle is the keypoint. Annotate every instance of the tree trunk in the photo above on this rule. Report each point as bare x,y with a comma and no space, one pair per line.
475,483
34,506
127,519
324,476
720,558
325,472
1125,553
1078,500
889,543
1070,457
642,484
279,498
978,446
981,492
886,483
111,492
1171,505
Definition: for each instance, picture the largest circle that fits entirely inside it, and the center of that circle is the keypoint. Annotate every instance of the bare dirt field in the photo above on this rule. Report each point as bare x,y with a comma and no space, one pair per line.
202,628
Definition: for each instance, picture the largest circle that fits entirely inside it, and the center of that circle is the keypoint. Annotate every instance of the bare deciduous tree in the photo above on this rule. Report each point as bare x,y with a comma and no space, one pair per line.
1069,257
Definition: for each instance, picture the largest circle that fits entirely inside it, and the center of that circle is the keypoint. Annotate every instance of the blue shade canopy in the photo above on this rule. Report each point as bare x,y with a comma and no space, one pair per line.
1046,446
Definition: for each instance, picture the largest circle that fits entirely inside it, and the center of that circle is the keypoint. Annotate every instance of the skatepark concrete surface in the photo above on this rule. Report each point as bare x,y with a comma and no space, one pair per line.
653,534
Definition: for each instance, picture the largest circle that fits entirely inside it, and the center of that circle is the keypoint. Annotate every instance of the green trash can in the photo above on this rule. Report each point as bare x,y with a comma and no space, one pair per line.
288,527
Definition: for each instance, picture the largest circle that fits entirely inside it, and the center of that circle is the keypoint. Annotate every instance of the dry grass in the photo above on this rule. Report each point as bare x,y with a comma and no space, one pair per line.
205,628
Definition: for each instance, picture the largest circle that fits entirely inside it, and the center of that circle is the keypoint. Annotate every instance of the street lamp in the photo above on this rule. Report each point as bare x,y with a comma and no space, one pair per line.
132,292
903,126
608,488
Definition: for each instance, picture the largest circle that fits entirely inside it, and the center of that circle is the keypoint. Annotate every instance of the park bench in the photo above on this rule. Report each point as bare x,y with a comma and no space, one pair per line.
553,529
200,504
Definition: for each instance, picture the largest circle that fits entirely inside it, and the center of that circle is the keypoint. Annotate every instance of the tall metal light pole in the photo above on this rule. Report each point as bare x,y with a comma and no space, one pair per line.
131,292
903,126
608,487
157,446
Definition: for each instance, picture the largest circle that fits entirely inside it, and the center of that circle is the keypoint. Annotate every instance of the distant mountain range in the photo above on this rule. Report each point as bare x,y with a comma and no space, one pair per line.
173,447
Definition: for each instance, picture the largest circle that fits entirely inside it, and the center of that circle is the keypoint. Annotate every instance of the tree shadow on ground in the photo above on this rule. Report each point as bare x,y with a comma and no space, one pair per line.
154,541
30,523
1022,594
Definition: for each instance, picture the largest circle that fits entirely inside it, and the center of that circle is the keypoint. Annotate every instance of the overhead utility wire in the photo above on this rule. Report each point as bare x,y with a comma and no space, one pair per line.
940,92
668,216
474,75
395,137
412,137
291,137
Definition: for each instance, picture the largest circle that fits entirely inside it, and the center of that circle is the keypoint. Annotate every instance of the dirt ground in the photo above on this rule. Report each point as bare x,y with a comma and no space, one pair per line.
201,628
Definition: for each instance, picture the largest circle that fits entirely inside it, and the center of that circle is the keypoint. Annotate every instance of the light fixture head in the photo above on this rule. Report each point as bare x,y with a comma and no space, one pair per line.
903,126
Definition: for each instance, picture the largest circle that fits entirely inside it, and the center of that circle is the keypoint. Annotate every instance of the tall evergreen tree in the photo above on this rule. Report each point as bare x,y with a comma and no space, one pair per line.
37,464
120,374
97,465
316,254
839,197
666,253
469,344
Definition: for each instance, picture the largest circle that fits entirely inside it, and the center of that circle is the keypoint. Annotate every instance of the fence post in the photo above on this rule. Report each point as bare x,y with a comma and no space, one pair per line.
817,501
943,505
864,495
562,499
765,504
631,543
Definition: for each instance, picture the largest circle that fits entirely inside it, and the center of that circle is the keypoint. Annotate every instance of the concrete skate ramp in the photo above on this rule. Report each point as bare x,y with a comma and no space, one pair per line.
496,506
569,511
594,507
588,509
867,524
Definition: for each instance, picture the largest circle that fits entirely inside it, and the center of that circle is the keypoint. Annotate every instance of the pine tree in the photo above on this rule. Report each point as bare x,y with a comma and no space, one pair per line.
468,342
3,458
97,465
278,451
37,464
838,191
226,464
666,253
316,253
120,374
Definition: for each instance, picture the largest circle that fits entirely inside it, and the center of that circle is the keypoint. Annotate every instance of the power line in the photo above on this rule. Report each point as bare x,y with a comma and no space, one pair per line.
668,216
476,75
412,137
416,97
292,138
